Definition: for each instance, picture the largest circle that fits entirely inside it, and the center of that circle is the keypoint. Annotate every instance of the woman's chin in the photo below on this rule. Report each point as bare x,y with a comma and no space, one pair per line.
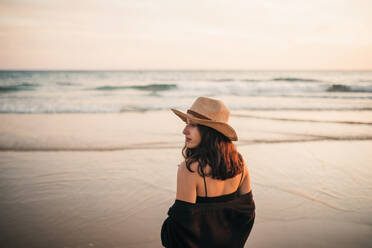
188,145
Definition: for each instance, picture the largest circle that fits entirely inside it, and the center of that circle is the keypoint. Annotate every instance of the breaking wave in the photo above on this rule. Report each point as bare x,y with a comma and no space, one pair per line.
346,88
149,87
292,79
17,87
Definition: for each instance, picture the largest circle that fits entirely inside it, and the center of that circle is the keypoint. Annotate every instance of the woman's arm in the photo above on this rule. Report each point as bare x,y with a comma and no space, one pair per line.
186,184
246,184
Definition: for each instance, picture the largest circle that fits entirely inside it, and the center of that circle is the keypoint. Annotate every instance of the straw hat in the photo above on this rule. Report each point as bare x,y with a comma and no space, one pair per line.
209,112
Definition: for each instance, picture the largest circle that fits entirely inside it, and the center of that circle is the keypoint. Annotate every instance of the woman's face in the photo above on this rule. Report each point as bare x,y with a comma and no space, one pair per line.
192,135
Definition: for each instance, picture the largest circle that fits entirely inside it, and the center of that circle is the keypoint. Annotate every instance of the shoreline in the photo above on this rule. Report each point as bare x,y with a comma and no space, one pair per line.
252,143
163,130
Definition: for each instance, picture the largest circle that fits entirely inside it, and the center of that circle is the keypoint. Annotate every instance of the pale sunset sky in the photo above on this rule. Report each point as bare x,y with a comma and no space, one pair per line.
186,35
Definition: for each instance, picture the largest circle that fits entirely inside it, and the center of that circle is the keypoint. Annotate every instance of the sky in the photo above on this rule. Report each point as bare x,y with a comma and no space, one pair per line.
186,35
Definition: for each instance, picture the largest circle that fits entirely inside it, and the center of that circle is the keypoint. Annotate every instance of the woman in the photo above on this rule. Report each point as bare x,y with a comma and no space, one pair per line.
214,205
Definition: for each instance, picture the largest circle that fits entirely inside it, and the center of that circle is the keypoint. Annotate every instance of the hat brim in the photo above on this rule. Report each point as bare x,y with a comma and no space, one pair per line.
221,127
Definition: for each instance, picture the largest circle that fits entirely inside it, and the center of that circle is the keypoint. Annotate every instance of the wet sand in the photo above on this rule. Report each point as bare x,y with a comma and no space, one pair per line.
107,180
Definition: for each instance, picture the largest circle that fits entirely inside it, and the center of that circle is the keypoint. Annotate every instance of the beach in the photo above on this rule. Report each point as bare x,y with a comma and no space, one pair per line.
90,146
108,179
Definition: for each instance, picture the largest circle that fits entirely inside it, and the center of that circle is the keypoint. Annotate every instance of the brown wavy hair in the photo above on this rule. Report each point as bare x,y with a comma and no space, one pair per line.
217,151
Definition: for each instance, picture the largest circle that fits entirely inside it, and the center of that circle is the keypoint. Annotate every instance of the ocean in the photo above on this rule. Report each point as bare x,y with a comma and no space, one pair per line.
123,91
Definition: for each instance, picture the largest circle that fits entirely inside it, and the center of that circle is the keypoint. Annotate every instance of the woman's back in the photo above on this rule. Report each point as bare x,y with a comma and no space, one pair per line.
220,219
210,187
191,186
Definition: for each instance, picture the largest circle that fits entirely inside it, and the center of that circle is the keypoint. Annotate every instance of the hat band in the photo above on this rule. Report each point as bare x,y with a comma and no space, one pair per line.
197,115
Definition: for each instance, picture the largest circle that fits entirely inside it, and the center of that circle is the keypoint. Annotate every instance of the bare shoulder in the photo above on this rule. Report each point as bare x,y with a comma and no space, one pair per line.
246,175
186,184
246,182
184,175
183,168
245,170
